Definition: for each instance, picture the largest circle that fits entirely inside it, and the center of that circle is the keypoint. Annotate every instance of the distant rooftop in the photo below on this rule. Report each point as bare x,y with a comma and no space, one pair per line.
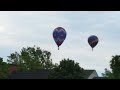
41,74
90,74
100,78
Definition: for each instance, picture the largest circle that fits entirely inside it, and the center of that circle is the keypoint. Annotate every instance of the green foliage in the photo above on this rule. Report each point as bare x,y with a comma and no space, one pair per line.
67,69
115,68
31,58
4,69
108,74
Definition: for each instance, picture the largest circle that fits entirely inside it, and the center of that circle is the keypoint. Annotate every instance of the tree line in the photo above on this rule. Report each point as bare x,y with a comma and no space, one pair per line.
34,58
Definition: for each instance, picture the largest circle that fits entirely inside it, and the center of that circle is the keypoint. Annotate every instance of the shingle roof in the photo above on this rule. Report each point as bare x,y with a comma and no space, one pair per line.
41,74
87,73
100,78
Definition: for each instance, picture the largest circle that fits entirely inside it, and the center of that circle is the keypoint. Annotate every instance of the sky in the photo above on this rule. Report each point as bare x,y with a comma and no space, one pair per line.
20,29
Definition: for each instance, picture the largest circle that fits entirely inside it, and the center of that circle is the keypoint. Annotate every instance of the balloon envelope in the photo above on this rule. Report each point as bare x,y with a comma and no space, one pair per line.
59,35
93,41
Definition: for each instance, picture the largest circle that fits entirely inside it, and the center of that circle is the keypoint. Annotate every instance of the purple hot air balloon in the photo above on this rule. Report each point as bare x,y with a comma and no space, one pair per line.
93,41
59,35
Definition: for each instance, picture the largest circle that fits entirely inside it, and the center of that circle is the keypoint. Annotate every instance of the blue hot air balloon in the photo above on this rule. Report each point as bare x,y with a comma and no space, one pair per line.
59,35
93,41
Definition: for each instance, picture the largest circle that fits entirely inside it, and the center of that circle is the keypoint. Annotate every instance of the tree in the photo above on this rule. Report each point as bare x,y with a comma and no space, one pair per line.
31,58
115,68
67,69
4,69
108,74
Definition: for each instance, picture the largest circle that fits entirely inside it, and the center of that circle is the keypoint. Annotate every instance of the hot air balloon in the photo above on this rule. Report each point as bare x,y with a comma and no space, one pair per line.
59,35
93,41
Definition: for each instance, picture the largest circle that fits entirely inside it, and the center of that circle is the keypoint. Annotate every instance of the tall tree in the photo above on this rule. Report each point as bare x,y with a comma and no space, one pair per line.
4,69
67,69
31,58
115,68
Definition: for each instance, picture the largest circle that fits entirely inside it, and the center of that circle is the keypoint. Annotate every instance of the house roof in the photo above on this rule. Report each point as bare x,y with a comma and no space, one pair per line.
100,78
41,74
87,73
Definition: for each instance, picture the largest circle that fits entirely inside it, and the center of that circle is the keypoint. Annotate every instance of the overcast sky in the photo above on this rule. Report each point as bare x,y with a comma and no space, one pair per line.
28,28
